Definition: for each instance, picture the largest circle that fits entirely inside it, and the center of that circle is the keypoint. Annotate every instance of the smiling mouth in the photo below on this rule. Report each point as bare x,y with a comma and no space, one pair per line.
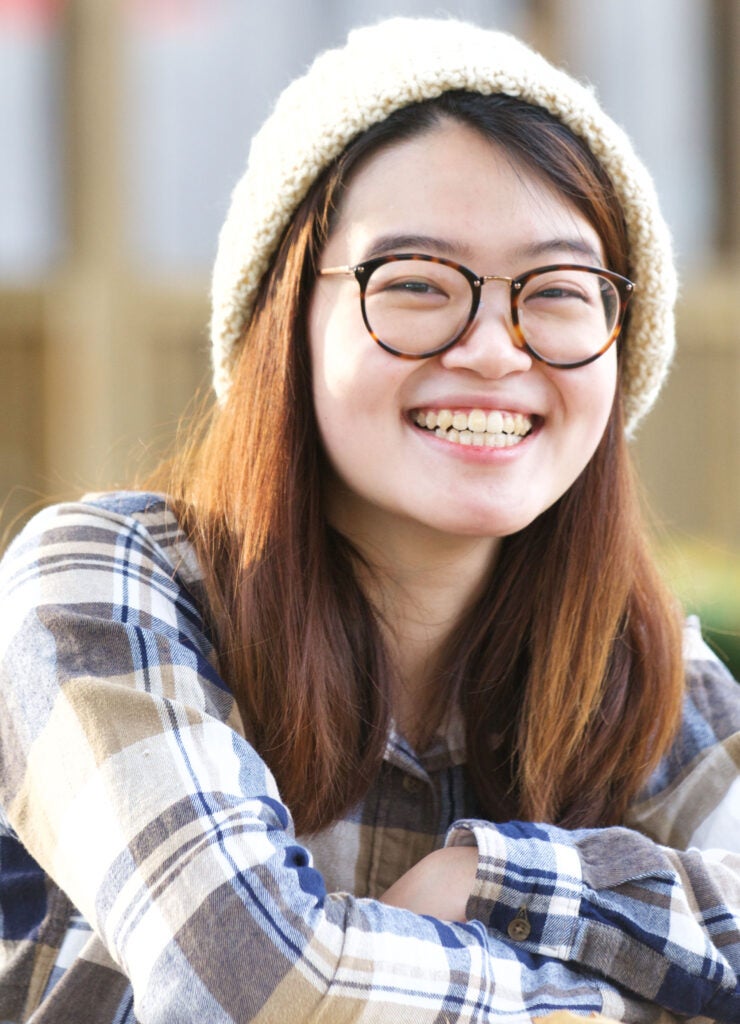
493,429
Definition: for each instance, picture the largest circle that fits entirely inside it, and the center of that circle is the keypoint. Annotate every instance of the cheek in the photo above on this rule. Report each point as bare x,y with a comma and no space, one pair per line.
605,387
329,371
335,346
350,372
586,398
588,395
337,383
346,391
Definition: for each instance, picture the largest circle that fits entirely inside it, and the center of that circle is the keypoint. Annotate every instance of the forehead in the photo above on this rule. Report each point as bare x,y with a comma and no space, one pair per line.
451,185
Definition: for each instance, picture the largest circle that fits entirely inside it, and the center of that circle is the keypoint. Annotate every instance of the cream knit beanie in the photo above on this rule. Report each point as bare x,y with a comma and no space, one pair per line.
390,65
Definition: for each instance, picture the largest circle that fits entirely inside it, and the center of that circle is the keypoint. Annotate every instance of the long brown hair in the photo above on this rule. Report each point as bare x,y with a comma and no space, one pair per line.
568,670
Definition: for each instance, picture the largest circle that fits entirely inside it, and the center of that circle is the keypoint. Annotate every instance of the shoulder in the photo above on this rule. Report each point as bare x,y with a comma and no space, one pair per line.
139,516
102,593
695,781
712,699
119,556
113,529
711,712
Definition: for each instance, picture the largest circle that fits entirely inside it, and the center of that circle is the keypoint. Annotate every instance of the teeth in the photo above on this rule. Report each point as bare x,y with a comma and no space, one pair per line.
495,423
477,421
490,430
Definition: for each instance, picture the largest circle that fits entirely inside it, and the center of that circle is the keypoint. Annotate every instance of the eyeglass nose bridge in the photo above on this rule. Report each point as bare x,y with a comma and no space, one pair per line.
485,278
514,287
514,284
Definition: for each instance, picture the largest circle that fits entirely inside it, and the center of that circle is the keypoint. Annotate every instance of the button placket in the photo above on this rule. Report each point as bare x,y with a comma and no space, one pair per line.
519,927
412,784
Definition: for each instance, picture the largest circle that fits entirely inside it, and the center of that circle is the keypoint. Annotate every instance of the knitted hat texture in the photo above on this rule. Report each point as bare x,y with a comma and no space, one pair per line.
388,66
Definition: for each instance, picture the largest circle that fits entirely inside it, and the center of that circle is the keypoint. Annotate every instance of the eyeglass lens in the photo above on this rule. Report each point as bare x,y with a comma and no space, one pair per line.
416,307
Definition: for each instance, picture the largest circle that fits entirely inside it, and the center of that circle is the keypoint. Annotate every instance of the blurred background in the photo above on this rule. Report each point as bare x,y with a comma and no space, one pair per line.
125,124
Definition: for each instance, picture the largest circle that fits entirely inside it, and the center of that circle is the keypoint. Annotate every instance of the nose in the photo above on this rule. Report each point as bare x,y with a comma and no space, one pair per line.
490,346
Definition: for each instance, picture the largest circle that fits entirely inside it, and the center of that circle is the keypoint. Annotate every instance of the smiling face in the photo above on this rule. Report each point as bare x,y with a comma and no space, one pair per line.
517,432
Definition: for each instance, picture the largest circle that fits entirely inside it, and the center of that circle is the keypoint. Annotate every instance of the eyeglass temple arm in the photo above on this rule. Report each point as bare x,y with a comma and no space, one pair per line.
343,271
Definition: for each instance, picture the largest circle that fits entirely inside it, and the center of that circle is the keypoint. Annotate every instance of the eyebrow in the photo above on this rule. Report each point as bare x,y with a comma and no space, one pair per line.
394,243
576,246
458,250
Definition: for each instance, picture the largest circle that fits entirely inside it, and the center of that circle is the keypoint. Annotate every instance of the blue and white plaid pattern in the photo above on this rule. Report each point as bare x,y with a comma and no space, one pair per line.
149,871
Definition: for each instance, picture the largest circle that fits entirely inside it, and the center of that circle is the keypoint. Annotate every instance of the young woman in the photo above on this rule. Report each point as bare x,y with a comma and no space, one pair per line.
394,600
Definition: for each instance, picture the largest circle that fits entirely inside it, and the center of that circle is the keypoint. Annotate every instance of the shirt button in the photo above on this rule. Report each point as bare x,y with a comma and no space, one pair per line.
412,784
519,929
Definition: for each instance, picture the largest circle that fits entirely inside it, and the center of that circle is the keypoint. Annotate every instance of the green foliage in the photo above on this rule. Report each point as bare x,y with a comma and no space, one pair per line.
706,578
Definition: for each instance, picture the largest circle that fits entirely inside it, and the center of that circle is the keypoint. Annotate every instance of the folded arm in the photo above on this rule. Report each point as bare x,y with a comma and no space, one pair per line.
126,776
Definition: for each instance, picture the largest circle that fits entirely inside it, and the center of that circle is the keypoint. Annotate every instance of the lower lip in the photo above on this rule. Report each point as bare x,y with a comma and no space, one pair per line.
477,453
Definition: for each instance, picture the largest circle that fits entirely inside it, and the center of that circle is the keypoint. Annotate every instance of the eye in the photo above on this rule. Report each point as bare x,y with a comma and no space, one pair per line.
575,301
558,288
415,286
553,292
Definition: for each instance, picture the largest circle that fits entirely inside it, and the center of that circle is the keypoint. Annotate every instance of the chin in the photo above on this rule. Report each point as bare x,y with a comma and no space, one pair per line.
485,527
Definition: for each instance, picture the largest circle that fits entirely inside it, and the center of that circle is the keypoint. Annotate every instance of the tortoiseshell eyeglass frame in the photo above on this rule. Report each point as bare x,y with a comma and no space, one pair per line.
362,272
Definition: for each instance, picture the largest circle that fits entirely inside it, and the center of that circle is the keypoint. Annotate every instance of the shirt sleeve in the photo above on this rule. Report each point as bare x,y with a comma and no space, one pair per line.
126,777
125,773
656,911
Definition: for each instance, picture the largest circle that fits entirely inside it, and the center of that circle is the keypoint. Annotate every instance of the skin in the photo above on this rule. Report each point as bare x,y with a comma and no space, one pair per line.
428,514
439,885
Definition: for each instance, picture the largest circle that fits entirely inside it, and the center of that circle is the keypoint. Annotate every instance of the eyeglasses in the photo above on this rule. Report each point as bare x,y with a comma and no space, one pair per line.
416,306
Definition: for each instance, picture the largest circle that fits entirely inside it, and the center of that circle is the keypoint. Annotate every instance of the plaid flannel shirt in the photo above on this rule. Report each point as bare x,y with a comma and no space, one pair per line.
149,870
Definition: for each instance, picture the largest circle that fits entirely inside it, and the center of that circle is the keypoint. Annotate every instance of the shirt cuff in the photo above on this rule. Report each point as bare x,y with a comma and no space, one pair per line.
528,885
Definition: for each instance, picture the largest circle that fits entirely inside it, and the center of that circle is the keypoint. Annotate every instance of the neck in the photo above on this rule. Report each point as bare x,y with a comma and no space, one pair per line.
422,608
421,581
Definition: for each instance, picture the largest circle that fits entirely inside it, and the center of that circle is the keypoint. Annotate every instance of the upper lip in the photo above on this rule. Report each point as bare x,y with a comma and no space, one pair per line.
467,402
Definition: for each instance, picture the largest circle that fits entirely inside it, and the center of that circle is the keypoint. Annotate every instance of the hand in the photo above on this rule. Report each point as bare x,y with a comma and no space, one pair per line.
439,885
